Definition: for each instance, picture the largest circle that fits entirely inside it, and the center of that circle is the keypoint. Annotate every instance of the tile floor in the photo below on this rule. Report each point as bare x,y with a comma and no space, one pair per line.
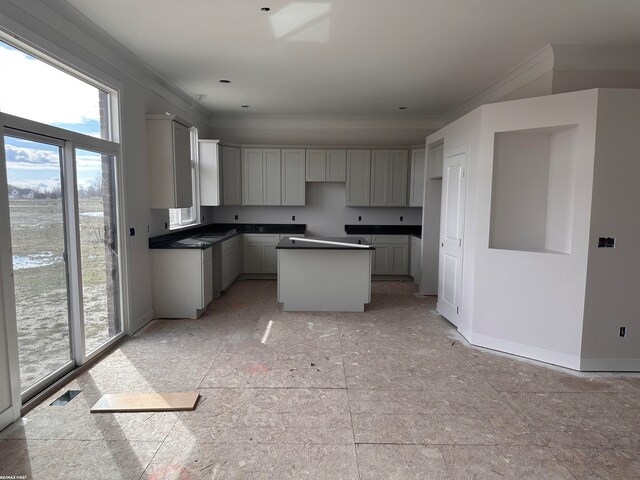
391,393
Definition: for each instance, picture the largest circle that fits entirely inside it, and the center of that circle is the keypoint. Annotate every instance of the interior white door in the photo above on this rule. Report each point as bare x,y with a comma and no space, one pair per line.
451,237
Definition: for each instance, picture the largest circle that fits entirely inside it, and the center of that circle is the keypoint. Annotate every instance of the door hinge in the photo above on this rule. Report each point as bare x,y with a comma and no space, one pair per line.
457,310
463,172
460,242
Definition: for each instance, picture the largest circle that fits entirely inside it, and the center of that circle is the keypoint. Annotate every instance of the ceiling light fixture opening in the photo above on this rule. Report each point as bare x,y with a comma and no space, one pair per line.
265,9
402,108
245,106
224,81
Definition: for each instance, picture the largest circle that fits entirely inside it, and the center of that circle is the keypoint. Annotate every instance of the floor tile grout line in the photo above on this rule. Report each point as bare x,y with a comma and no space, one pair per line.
344,370
550,450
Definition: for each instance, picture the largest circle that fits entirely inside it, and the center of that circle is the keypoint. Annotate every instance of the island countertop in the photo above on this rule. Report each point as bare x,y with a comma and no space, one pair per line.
341,243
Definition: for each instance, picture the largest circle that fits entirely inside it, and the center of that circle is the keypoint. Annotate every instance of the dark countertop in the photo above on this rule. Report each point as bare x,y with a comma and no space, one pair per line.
415,230
289,244
205,236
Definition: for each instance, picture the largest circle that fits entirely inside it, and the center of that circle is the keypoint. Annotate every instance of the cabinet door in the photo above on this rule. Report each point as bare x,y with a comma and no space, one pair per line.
398,259
236,262
207,282
336,169
271,172
252,173
398,176
269,258
231,176
293,177
210,174
381,259
315,164
358,178
417,178
182,165
251,256
380,184
226,259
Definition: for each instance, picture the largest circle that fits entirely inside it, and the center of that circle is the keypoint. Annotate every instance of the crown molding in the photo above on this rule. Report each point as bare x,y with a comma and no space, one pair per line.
535,66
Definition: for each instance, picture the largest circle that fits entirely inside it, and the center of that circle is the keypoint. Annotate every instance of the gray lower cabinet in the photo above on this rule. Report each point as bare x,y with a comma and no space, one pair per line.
231,260
391,255
182,282
416,259
259,253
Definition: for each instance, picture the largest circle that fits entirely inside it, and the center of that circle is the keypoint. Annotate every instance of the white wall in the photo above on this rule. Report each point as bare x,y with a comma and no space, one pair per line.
69,37
325,212
531,303
613,274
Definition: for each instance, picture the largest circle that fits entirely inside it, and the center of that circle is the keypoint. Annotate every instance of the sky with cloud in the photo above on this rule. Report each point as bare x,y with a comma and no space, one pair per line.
34,90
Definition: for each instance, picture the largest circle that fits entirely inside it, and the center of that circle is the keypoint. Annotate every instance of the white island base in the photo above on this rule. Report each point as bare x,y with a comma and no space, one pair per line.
324,280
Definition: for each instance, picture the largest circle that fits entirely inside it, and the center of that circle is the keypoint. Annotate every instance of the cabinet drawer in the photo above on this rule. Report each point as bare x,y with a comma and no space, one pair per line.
261,238
232,242
207,254
400,239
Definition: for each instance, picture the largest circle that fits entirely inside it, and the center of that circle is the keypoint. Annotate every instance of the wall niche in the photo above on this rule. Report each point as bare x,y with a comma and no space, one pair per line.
532,194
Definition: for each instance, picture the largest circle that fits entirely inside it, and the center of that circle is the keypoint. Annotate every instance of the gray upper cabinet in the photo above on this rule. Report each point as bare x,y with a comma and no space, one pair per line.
398,176
358,178
316,165
326,165
336,166
293,177
389,173
380,185
210,173
231,166
417,177
261,176
169,147
252,172
272,177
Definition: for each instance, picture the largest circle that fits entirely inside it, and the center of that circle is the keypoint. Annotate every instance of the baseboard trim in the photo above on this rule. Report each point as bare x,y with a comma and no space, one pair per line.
6,418
610,364
141,322
521,350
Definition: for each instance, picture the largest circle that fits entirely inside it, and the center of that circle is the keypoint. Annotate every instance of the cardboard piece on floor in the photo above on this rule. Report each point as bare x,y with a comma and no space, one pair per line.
146,402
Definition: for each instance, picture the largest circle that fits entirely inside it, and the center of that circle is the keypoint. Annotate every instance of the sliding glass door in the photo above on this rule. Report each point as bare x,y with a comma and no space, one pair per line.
39,245
97,223
64,245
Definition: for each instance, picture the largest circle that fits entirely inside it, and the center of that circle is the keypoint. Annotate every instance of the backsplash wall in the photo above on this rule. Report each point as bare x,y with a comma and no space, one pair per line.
325,212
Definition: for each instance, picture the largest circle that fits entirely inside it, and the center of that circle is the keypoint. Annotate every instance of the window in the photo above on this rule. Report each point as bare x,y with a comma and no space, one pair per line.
33,89
61,160
183,217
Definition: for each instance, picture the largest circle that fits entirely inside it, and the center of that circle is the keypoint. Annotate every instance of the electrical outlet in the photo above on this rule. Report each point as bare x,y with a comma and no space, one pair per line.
236,217
606,242
203,218
165,225
623,331
132,232
359,218
293,218
401,218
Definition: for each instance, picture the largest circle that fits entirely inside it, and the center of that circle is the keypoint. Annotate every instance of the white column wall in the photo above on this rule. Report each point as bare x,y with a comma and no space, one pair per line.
613,274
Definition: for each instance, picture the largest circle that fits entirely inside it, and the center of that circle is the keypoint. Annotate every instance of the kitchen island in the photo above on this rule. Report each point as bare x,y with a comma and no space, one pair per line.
324,274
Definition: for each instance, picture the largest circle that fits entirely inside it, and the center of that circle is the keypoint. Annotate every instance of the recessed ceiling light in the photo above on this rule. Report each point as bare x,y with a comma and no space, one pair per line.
402,108
245,106
265,9
224,81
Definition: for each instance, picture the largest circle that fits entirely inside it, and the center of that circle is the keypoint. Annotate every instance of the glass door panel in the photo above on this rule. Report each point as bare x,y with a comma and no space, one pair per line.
40,274
96,195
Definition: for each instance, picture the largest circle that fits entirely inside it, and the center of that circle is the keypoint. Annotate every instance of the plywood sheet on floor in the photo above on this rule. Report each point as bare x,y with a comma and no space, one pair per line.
146,402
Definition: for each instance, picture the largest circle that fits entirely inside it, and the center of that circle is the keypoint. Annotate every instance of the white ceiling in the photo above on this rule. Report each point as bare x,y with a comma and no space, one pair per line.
350,57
